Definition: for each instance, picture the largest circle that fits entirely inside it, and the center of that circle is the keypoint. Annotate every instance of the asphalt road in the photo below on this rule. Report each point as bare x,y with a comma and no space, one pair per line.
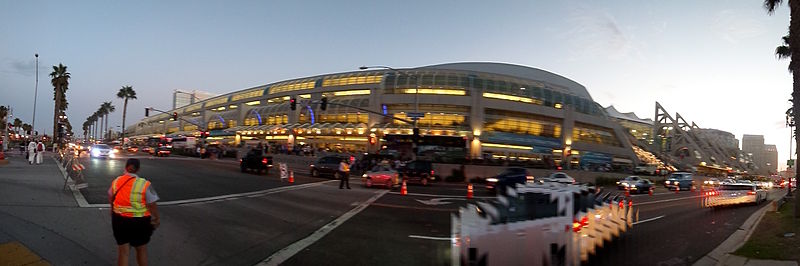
396,229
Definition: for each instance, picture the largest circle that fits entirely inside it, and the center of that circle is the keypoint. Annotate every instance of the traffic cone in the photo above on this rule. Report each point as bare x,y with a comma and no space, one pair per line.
469,191
291,177
691,188
404,189
677,189
627,193
650,192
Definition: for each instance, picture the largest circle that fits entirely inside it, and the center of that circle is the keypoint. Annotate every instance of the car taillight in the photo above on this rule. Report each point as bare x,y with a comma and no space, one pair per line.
751,192
264,161
431,172
577,225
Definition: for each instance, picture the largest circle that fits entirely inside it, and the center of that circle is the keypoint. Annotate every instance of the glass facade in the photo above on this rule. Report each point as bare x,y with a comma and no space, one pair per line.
353,118
352,80
437,119
522,123
594,134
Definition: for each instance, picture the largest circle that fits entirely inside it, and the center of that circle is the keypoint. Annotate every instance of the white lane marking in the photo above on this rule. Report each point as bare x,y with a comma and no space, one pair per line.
438,201
666,200
649,220
76,193
431,237
214,199
434,195
284,254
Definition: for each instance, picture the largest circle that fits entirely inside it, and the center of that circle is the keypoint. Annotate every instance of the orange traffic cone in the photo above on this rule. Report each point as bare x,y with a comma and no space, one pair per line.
469,190
627,193
677,189
404,189
650,192
291,177
691,188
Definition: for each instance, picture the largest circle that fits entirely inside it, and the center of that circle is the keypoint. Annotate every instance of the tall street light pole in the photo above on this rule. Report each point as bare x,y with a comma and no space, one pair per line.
35,93
416,106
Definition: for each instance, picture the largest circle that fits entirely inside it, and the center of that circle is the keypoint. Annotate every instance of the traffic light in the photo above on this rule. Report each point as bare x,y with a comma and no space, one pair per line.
323,104
293,103
146,112
175,116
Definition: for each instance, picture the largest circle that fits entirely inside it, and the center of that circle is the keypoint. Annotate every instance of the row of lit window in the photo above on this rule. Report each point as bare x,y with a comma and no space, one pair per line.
343,118
437,119
437,91
292,86
592,134
524,126
373,79
248,94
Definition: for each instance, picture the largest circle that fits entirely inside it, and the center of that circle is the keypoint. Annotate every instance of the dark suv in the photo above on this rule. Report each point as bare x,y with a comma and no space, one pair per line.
508,178
417,172
679,181
326,166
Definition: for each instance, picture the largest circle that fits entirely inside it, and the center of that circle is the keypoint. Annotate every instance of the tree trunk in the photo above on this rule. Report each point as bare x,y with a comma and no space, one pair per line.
124,111
56,110
794,46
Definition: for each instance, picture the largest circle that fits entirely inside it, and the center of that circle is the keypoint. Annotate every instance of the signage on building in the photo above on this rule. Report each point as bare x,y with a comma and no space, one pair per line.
536,142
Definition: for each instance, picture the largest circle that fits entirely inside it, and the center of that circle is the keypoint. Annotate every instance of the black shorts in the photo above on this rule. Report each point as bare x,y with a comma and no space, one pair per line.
133,230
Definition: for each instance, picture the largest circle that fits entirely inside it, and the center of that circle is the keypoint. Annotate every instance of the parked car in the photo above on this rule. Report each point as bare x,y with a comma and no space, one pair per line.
733,194
558,177
627,182
255,160
381,175
679,181
417,172
326,166
101,151
509,178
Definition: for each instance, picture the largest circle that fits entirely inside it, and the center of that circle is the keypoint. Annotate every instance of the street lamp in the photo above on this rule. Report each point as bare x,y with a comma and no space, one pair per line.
35,93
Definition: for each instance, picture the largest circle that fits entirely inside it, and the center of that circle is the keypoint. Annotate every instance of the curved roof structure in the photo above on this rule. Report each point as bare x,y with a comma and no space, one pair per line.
517,71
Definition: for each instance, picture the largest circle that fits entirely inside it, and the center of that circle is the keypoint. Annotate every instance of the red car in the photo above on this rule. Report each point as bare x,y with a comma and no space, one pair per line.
380,175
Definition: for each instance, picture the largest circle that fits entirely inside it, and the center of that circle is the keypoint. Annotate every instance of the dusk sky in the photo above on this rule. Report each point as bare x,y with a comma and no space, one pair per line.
711,61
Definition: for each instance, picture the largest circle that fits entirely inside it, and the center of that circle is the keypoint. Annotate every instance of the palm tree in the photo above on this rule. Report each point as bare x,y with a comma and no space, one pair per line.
100,113
17,124
126,93
108,108
3,114
27,128
793,53
60,80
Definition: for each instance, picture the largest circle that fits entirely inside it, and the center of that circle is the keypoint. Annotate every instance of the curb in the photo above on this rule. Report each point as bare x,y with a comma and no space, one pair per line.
721,254
79,199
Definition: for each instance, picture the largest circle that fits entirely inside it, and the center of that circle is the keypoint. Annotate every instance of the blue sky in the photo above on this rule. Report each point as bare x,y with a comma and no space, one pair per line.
710,61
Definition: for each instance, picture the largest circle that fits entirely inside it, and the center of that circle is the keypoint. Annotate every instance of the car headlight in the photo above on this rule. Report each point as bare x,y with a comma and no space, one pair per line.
95,153
111,155
617,182
491,179
666,182
625,184
364,176
115,151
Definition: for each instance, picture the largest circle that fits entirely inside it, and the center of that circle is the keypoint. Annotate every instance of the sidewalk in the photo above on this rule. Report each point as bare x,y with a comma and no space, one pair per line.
41,223
722,254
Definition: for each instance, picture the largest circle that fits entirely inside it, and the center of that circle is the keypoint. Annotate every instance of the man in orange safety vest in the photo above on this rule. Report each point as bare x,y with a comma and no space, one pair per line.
134,213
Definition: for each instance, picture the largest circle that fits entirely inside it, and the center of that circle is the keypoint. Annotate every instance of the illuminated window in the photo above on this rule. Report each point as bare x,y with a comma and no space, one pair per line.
437,119
189,127
251,121
305,96
354,118
279,99
172,129
216,101
292,86
351,92
594,134
303,118
215,124
277,119
248,94
511,98
344,81
232,123
521,123
433,91
253,103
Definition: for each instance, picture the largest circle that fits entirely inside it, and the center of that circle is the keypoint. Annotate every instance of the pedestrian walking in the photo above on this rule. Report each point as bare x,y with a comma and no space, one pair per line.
134,213
39,152
31,152
344,174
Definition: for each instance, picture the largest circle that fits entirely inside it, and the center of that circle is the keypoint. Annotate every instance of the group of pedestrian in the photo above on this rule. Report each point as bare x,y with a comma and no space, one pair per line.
35,152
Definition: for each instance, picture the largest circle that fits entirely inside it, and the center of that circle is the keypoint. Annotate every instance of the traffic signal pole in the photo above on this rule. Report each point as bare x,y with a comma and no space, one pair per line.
179,117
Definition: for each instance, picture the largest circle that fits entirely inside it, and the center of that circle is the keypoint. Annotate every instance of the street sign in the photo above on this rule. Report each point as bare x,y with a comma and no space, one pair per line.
416,115
790,162
284,171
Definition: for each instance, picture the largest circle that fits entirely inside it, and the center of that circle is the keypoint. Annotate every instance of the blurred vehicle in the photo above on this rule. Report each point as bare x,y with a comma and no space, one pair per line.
101,151
147,149
133,149
732,194
543,222
509,178
162,151
641,186
558,177
326,166
381,175
417,172
728,181
627,182
255,160
117,149
367,161
712,182
679,181
649,169
764,184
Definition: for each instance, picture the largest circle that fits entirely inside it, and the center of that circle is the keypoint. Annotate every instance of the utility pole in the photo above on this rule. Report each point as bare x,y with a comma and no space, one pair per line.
35,93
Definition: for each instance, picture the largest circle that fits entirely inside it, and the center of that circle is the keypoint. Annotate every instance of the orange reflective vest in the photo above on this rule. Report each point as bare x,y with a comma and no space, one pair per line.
130,200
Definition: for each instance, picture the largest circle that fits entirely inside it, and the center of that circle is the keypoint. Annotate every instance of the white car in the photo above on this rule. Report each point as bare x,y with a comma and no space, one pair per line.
558,177
101,151
733,194
525,226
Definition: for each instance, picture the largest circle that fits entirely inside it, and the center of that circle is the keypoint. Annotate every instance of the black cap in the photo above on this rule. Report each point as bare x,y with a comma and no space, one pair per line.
132,162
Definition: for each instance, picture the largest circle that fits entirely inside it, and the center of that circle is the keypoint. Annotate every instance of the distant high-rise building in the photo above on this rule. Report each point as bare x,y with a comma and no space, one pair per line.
183,98
771,158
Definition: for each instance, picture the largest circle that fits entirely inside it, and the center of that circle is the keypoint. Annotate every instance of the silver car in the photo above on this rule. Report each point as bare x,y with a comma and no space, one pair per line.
733,194
101,151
